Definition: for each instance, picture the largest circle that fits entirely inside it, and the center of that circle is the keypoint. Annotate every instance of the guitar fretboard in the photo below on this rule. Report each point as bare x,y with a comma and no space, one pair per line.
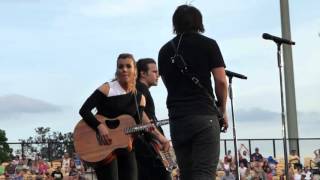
143,127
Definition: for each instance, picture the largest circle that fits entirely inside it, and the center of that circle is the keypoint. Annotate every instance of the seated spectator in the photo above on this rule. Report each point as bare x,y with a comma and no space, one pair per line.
19,174
43,167
228,175
297,175
73,174
65,164
303,176
272,164
316,159
228,162
243,159
78,163
294,159
225,165
47,176
248,174
269,174
29,164
10,170
57,174
259,173
228,157
243,156
282,175
256,156
35,167
23,160
307,172
242,170
265,165
16,160
291,173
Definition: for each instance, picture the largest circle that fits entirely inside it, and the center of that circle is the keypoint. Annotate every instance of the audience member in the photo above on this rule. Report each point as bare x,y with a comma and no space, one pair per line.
228,175
316,159
57,174
256,156
243,155
65,164
272,165
242,170
294,159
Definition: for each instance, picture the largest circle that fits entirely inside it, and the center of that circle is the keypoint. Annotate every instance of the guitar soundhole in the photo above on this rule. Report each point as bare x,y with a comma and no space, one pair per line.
112,124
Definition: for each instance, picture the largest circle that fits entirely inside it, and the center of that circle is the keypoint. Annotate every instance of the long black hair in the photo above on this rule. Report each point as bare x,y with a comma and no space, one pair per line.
187,18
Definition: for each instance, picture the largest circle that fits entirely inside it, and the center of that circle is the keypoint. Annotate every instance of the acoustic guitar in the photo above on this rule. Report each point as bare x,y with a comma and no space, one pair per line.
89,146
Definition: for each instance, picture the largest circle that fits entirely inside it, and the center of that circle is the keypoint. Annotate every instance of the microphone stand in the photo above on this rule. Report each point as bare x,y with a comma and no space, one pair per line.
234,128
284,131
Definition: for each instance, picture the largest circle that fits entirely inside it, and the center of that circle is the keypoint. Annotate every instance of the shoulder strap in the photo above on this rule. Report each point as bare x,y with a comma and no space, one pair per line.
139,111
182,66
180,63
176,49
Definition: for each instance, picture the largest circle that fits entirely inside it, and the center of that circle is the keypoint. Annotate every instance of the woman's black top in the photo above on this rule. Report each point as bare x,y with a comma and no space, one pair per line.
110,107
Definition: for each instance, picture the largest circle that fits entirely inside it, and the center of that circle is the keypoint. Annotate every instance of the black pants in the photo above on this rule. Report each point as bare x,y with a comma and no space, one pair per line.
149,164
124,167
152,169
196,141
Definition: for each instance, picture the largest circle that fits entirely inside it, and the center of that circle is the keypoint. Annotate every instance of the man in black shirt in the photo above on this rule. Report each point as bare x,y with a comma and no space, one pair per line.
149,164
194,126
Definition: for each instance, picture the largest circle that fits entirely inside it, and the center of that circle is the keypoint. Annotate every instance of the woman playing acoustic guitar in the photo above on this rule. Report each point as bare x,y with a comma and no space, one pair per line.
111,100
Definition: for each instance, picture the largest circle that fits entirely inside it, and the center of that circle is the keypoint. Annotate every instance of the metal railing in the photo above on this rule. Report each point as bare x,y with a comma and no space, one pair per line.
273,147
268,147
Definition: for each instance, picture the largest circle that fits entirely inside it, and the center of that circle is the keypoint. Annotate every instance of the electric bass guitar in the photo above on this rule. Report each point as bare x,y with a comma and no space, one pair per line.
168,159
88,143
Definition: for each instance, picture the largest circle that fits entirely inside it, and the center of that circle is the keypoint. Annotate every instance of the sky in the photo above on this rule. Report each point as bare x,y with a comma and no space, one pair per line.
54,54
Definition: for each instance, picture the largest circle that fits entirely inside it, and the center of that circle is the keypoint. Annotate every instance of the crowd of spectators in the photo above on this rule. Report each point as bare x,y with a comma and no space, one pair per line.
251,167
22,168
258,167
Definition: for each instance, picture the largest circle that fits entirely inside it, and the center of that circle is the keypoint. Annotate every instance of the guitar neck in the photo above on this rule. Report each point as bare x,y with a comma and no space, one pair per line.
143,127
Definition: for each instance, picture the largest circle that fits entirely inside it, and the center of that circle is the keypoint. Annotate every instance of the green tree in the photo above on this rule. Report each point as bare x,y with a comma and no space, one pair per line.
49,145
5,150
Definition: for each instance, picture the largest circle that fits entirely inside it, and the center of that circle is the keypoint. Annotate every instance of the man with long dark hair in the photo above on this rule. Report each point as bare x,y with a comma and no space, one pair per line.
193,114
150,166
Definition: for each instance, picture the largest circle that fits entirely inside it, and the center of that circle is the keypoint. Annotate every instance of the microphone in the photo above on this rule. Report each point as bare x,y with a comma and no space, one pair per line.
231,74
277,39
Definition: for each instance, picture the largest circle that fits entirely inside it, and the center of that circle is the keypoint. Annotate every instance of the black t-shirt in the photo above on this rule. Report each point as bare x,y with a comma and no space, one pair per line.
149,108
142,147
256,157
202,54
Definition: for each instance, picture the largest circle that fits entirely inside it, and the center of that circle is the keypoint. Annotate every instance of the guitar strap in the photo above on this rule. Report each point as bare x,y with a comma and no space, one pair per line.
139,109
184,68
143,137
